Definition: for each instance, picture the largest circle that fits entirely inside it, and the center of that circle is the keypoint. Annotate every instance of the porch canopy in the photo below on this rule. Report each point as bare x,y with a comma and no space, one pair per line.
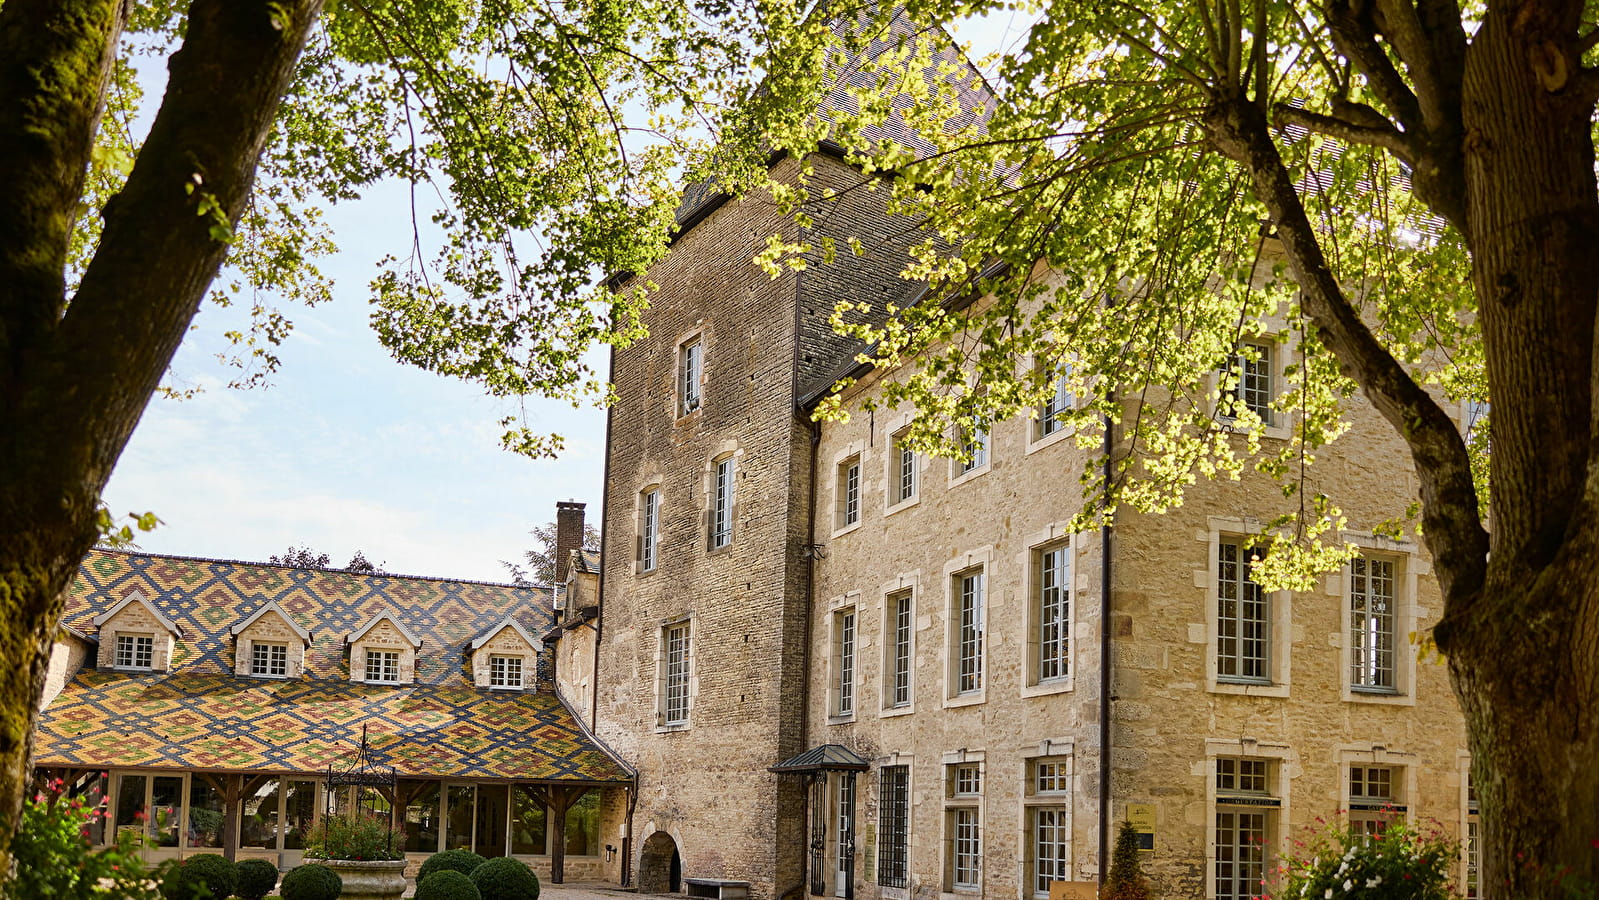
823,758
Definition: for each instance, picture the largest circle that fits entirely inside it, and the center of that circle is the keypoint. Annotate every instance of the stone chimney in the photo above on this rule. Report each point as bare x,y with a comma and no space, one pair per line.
568,535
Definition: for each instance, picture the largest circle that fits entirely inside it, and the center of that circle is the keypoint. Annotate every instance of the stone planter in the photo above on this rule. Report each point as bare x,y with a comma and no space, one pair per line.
368,879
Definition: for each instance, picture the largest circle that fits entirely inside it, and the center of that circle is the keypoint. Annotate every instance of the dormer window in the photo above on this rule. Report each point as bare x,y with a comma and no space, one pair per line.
270,644
383,666
135,651
504,656
269,660
505,672
383,651
135,636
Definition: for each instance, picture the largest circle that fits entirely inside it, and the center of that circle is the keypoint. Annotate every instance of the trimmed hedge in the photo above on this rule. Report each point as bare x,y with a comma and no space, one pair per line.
312,881
447,884
257,878
506,879
463,861
216,874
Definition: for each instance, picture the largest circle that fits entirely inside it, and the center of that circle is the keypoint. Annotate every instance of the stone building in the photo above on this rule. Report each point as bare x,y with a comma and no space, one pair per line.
207,706
843,669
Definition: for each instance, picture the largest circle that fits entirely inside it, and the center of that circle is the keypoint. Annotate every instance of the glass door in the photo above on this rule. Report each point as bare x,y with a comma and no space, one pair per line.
844,862
492,812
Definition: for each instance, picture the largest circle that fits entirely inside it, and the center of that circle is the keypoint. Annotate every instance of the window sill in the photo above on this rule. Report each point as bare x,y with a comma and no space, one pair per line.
718,551
842,530
1248,688
135,670
973,699
1036,443
959,478
841,719
1280,432
893,711
506,689
902,505
1378,697
263,677
1048,688
673,728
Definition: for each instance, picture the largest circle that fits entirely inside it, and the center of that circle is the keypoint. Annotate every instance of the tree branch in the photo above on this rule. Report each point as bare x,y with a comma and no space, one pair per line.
1453,529
1355,36
55,65
1385,136
166,233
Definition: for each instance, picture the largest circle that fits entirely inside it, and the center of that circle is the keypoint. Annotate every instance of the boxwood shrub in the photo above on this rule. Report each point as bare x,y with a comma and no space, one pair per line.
506,879
216,874
312,881
257,878
463,861
446,884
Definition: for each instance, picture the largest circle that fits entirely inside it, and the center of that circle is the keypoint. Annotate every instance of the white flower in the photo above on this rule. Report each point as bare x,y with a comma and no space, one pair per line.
1347,885
1373,882
1328,895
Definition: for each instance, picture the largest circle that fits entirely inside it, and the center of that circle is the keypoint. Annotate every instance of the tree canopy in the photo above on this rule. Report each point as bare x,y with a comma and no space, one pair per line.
1403,190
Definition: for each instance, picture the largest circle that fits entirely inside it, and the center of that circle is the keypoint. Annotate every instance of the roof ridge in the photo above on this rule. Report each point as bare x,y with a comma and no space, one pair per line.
330,571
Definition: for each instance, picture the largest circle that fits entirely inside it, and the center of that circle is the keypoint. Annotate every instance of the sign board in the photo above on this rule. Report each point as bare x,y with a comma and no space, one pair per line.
1142,815
1073,890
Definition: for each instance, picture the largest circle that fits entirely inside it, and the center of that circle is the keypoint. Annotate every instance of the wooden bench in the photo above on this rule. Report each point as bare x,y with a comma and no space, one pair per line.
717,888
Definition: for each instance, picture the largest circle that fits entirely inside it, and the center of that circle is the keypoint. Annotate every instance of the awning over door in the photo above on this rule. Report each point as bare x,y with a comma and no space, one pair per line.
825,758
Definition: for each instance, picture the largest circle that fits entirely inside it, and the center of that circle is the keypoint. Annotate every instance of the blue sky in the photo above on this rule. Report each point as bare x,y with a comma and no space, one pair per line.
349,450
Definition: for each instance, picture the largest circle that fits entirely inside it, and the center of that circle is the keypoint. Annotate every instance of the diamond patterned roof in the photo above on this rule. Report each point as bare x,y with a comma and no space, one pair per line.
201,716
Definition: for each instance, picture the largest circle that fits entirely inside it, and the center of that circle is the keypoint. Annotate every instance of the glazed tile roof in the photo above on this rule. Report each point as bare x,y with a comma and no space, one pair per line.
200,715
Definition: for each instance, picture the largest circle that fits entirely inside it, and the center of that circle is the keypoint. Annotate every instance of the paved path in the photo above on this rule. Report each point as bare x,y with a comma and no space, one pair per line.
586,891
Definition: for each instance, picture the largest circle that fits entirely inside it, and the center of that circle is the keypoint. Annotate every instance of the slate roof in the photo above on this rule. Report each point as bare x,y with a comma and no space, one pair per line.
823,758
201,716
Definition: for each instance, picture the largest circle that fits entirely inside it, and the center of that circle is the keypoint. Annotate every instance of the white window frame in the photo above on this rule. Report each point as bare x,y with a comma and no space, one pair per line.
1274,802
1048,424
1049,774
724,484
677,673
690,375
969,593
1373,623
649,529
976,444
1409,568
375,667
269,659
132,647
1470,834
849,493
1250,376
1279,609
1053,608
502,666
1248,607
899,650
963,825
846,665
904,476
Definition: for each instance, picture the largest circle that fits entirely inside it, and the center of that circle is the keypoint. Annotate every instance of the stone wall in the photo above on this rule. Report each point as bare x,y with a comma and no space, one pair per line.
272,629
135,618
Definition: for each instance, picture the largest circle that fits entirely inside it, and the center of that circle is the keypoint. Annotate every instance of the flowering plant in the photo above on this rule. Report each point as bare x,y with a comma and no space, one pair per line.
56,857
1404,862
353,837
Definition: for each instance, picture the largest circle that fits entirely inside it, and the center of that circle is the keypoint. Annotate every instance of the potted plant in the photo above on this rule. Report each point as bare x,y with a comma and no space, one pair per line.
362,850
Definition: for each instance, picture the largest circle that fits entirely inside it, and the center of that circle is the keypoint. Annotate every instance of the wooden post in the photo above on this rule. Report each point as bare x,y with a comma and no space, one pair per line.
560,801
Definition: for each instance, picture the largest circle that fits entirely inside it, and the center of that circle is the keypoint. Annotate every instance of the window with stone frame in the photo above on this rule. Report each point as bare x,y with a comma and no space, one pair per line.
902,472
849,492
269,659
898,670
135,651
1051,615
690,374
1052,414
967,651
844,663
674,708
1250,381
649,529
1373,604
963,827
1243,616
1245,826
721,517
1471,849
505,671
1048,814
1375,798
974,448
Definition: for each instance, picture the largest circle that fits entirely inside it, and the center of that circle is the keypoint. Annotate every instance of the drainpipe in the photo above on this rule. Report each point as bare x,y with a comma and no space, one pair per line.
1105,660
599,620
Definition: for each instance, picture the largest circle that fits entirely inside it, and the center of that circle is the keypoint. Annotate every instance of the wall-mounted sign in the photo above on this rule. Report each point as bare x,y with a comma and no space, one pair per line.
1142,815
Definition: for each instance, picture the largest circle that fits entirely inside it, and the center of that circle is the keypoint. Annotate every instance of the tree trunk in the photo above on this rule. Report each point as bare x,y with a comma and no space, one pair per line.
75,378
1524,652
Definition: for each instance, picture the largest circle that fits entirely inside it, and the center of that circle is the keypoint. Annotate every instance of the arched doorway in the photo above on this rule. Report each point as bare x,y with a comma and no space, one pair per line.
661,869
